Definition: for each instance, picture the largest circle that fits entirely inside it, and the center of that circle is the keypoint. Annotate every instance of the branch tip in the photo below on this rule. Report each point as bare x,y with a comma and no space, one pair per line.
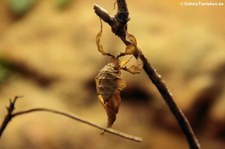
12,103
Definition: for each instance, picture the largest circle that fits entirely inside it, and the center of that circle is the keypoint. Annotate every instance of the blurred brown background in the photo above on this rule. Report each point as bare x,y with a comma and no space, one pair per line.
48,54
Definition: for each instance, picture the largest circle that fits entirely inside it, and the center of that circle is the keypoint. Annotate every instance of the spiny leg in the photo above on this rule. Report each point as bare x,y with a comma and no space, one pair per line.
131,47
98,39
130,38
124,62
133,69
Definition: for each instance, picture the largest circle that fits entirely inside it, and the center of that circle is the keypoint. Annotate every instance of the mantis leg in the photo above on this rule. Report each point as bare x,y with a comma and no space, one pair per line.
100,47
134,69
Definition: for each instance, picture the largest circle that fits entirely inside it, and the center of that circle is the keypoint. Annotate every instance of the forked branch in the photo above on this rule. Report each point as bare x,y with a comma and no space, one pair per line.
11,115
118,25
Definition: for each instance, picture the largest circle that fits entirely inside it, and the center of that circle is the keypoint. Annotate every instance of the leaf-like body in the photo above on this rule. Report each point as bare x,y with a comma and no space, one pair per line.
109,85
112,108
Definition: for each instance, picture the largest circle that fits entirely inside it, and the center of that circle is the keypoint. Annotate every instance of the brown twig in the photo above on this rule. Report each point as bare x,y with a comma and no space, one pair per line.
12,115
118,25
9,115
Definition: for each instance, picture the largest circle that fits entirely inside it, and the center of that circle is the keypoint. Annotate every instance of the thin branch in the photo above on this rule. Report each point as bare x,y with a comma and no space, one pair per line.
12,115
119,27
167,96
104,15
9,116
118,23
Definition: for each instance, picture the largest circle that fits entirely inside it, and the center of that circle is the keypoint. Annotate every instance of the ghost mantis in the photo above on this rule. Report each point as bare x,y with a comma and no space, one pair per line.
109,83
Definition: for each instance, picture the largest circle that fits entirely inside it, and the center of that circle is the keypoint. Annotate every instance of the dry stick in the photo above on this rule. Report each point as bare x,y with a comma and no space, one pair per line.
119,27
12,115
8,117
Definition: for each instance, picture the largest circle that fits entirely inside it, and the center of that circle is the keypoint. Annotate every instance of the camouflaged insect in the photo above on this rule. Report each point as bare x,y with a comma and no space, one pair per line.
108,81
108,85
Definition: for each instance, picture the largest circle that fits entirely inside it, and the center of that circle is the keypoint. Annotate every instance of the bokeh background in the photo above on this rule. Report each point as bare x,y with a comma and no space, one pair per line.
48,54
